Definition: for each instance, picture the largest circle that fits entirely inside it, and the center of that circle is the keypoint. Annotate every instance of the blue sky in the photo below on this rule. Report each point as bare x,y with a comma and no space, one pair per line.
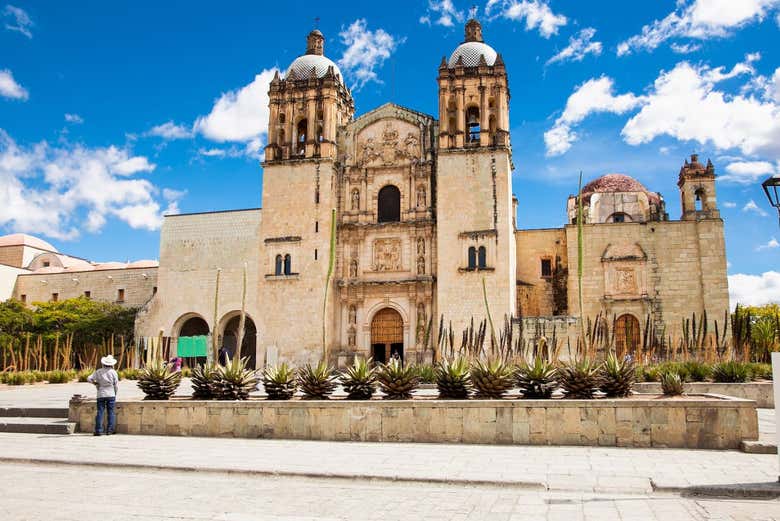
114,113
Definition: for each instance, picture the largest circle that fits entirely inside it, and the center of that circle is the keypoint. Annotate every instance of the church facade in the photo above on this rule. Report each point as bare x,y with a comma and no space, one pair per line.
424,220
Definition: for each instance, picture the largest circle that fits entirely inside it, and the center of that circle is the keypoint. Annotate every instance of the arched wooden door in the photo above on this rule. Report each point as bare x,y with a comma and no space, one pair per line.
387,335
626,335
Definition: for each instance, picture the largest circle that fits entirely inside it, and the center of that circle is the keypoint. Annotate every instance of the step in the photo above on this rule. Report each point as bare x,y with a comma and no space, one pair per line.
37,425
759,447
33,412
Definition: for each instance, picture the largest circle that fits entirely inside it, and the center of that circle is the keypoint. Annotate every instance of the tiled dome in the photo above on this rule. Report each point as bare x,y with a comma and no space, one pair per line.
302,66
614,183
470,52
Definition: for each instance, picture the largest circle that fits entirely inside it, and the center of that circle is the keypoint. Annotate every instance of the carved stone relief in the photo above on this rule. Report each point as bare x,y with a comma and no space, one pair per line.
420,246
388,148
355,199
387,255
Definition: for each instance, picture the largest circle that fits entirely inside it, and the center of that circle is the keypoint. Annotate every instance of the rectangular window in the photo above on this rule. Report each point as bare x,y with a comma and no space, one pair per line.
316,227
315,253
88,294
154,290
46,264
120,295
55,297
24,299
546,267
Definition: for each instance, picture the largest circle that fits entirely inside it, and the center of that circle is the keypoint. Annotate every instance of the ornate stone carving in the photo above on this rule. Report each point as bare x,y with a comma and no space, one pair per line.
625,281
390,149
420,246
387,255
421,323
353,268
352,336
355,199
352,315
421,265
421,199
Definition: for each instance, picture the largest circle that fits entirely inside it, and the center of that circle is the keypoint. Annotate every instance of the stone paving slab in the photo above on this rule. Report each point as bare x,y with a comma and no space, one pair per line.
588,469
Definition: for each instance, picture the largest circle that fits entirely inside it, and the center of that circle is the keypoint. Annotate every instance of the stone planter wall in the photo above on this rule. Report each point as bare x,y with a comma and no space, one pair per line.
760,392
709,422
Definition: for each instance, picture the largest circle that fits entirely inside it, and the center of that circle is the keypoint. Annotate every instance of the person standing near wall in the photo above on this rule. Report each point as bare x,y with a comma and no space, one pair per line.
106,380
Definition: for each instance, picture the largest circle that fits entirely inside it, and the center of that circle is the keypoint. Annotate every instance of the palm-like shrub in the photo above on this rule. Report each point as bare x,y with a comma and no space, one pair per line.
60,377
617,376
579,379
205,382
235,380
538,379
761,371
18,378
697,371
396,380
317,382
453,379
359,380
280,382
731,372
491,379
671,383
157,381
427,373
84,374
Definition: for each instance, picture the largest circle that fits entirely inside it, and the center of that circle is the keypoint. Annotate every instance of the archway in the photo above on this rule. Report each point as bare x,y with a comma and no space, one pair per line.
389,204
387,335
626,335
192,341
194,326
249,342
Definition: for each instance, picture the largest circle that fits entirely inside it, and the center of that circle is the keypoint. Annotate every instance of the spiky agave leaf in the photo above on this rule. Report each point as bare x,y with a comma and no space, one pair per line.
538,379
205,382
317,382
491,379
280,382
617,376
359,380
579,379
157,381
453,379
396,380
236,381
671,383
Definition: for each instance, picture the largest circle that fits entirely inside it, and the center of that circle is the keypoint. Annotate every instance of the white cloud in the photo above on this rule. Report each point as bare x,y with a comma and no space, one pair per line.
240,115
536,13
170,130
729,204
685,48
752,207
771,245
701,20
579,46
593,96
17,19
74,118
56,191
9,88
754,290
747,172
365,51
212,152
442,12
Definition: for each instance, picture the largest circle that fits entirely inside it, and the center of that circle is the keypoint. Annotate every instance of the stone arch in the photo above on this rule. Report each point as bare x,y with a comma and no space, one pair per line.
228,327
190,323
388,332
627,334
388,204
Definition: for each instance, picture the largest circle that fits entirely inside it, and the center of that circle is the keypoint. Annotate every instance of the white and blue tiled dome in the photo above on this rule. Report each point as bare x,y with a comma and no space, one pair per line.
314,58
471,52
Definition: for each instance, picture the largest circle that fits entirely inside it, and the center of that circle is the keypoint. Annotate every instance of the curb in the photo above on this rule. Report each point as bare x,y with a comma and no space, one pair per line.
527,485
748,491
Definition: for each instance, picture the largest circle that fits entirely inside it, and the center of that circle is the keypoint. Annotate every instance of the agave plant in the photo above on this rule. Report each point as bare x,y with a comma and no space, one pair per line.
453,379
157,381
280,382
359,380
617,376
731,372
235,380
579,379
396,380
491,379
205,382
538,379
317,382
671,383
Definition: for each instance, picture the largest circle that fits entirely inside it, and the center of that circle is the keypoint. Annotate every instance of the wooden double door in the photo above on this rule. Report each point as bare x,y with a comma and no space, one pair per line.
387,335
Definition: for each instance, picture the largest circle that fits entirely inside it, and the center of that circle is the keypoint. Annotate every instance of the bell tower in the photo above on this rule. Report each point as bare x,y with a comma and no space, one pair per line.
697,190
475,221
307,106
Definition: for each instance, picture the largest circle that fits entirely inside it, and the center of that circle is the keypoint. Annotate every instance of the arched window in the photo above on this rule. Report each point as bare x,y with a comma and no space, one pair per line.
699,199
281,119
281,136
278,265
492,125
619,217
287,264
472,125
389,203
303,126
482,258
472,258
319,134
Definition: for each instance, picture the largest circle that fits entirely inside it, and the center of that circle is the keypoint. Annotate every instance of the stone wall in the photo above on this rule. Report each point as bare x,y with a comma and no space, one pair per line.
536,293
692,422
138,284
8,276
760,392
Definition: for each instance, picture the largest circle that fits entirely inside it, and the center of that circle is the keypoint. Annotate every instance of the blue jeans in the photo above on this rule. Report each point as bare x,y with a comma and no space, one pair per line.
102,405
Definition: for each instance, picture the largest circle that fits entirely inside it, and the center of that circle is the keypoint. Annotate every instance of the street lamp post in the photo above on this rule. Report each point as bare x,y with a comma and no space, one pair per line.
772,190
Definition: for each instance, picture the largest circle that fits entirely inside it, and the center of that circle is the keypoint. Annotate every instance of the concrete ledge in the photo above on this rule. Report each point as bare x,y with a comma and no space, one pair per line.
705,421
760,392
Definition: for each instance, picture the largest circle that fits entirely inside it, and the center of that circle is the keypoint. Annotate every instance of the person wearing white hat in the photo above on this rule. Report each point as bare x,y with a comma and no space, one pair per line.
106,380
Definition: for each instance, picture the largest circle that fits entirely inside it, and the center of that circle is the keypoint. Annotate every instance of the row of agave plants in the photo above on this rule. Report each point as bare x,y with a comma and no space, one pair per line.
455,378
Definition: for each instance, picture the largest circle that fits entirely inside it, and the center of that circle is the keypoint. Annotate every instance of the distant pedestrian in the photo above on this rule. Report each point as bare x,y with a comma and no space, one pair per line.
175,364
106,381
224,355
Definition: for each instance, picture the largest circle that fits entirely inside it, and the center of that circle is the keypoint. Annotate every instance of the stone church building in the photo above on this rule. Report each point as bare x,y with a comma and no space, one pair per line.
424,219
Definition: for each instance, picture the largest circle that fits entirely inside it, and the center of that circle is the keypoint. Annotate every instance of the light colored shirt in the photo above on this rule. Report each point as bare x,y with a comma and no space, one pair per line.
106,380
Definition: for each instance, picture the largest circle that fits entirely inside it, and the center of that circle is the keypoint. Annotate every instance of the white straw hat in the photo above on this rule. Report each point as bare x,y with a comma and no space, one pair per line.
108,360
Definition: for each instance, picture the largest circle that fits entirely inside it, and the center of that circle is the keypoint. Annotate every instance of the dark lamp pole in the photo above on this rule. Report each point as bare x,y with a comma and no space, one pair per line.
772,191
